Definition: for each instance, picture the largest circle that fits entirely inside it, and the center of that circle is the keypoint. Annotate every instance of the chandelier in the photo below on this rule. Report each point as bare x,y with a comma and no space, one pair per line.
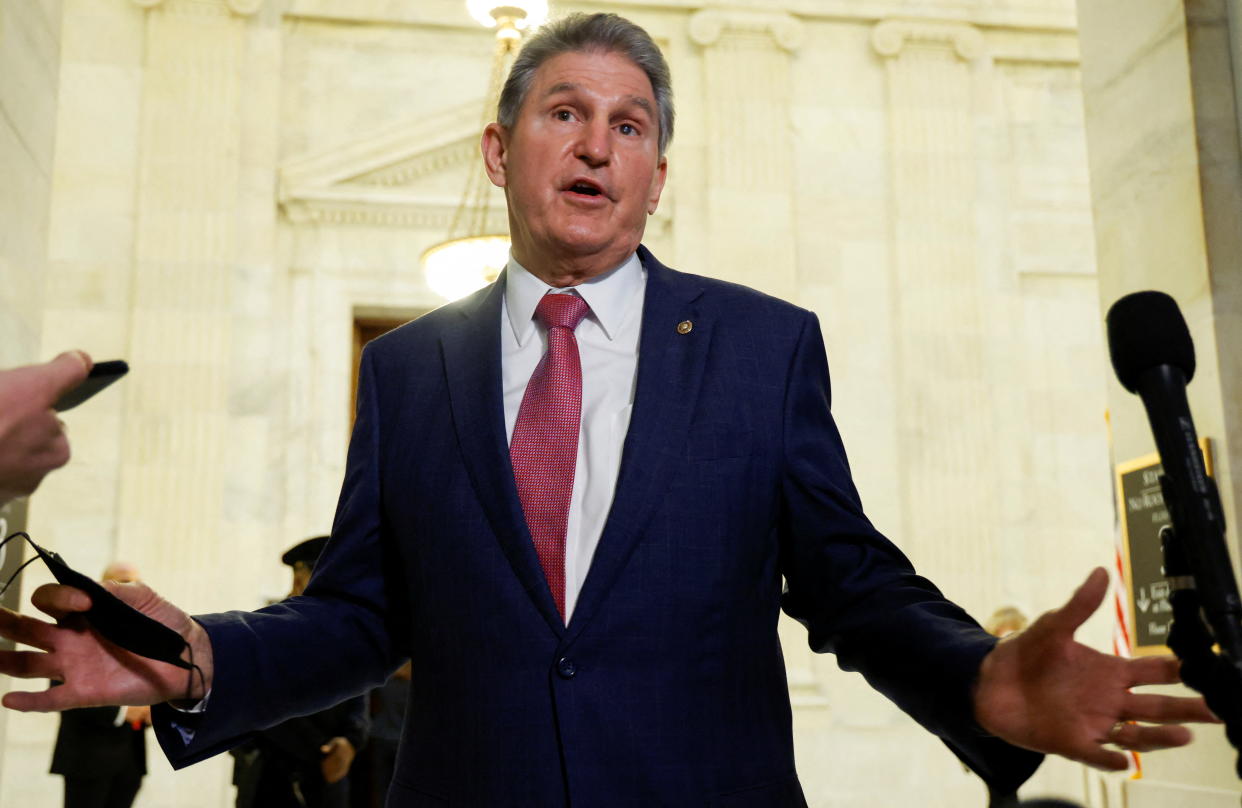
472,257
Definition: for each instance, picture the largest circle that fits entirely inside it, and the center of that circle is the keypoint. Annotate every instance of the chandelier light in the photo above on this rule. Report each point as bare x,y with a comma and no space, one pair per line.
510,18
472,257
457,267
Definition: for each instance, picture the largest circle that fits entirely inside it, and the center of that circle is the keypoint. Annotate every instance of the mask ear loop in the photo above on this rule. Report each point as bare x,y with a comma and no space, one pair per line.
25,563
189,683
189,677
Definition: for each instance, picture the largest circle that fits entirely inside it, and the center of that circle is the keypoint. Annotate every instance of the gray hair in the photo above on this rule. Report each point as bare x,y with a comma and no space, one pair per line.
583,33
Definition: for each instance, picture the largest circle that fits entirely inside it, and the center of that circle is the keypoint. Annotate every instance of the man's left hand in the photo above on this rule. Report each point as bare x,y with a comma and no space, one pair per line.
1042,690
338,755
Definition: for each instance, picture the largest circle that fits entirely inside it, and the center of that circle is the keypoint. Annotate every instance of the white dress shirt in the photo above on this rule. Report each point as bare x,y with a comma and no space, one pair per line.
608,348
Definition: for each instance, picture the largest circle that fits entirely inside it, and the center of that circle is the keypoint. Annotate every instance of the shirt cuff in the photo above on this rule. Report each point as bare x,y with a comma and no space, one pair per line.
199,707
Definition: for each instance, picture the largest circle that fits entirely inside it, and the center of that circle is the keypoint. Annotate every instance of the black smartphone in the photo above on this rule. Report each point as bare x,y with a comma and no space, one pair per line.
101,375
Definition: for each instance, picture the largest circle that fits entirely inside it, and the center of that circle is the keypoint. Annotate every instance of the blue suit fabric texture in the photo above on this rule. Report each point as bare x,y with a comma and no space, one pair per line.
667,687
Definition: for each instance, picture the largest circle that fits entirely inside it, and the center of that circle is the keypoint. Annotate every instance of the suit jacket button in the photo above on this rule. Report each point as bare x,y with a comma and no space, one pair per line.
565,668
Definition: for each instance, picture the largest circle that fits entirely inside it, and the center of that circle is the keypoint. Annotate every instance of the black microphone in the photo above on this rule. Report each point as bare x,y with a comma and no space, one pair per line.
1154,357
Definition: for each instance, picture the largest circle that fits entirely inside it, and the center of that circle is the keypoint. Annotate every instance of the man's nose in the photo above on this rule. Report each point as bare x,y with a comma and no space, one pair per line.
595,143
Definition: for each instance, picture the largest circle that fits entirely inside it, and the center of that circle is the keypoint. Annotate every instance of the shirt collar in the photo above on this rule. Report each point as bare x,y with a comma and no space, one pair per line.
611,296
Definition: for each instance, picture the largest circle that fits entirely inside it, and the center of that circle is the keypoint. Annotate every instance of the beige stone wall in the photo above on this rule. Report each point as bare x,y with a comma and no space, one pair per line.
29,67
235,181
29,64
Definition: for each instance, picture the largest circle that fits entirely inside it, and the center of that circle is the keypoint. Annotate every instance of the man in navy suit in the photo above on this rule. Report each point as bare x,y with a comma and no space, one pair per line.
571,499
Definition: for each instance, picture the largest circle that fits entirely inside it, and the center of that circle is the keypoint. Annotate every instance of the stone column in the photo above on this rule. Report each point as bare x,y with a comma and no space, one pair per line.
190,496
30,45
176,448
750,180
943,410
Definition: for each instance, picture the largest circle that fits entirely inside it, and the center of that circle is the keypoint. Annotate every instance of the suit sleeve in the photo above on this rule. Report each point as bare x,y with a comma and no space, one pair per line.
859,596
305,654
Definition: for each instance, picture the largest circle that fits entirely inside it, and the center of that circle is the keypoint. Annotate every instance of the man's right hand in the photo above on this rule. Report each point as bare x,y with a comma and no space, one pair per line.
32,439
94,671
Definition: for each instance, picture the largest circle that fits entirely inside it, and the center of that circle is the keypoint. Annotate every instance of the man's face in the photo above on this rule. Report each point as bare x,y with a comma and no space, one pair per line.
581,167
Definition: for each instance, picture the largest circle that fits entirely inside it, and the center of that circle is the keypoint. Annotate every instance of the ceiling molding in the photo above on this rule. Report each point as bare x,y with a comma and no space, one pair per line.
1027,15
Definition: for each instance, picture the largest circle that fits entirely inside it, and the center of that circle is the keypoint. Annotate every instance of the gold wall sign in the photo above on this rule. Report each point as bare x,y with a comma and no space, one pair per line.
1142,511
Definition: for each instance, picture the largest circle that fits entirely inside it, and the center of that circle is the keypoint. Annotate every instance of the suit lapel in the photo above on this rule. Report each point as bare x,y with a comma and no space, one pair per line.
471,351
670,370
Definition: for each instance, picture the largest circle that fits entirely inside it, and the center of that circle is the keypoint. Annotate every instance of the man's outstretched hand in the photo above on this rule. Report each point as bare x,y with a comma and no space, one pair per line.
94,671
1041,690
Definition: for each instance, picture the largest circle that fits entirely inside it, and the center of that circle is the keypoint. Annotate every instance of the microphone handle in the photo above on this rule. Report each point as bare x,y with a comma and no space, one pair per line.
1194,504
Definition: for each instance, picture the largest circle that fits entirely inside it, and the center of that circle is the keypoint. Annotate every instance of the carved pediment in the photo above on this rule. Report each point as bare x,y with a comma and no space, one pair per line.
408,174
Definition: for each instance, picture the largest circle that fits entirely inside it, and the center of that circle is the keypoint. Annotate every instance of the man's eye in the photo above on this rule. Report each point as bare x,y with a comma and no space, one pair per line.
564,115
628,129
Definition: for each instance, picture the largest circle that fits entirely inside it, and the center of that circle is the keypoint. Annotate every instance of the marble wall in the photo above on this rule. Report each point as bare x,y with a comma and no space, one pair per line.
29,71
235,181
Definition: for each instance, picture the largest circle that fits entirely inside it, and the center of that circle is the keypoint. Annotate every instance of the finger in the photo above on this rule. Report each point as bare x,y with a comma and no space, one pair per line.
1166,709
59,601
1101,758
27,630
54,452
1140,738
1083,603
54,699
1157,670
29,665
64,373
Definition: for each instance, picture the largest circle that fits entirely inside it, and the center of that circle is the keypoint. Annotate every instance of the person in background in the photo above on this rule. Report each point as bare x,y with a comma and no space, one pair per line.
1005,621
388,704
32,438
303,762
102,751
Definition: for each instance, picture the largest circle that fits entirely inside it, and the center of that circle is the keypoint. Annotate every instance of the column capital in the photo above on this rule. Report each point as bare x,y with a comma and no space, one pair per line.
890,37
245,8
707,26
242,8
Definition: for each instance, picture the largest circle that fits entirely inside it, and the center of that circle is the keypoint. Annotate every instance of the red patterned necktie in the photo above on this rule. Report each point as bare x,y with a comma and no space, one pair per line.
544,447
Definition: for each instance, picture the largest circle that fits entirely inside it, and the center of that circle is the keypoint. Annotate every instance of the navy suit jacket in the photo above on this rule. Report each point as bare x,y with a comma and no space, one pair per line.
667,687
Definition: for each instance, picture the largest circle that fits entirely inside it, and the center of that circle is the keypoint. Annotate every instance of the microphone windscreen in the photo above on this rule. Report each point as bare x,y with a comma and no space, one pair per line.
1146,330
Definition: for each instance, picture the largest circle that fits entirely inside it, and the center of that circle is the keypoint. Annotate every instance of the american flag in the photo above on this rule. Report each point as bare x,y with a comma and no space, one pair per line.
1123,629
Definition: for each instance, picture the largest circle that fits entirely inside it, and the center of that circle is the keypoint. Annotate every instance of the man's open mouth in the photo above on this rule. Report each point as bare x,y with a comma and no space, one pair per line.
585,187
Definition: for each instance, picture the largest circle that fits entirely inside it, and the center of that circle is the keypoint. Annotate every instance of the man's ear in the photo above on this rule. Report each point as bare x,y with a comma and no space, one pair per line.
657,186
495,147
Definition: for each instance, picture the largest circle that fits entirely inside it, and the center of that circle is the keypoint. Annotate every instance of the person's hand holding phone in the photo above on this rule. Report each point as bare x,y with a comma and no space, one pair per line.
32,437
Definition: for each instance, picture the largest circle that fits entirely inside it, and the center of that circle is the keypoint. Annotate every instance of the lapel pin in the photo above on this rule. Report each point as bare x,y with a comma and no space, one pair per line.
685,327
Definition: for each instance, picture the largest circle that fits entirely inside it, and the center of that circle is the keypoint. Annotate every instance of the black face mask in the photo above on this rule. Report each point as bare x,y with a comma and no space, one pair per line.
111,617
